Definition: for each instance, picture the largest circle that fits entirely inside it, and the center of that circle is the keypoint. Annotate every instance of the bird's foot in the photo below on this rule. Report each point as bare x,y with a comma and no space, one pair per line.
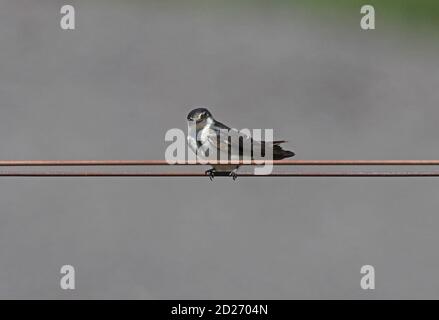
210,173
234,174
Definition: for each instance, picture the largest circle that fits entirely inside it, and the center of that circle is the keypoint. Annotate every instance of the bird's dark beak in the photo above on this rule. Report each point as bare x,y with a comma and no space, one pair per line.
189,118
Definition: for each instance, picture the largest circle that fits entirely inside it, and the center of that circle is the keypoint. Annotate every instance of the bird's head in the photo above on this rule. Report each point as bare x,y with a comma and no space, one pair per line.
199,115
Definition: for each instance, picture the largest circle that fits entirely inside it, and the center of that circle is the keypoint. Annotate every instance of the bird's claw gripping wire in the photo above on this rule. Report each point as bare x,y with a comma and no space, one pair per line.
233,174
210,173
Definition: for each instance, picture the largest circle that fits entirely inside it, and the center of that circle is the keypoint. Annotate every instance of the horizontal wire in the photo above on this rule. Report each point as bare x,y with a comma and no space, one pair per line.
199,174
67,163
33,163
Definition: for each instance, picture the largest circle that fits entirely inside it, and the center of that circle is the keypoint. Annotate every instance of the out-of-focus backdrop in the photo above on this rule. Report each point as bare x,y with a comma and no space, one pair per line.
132,70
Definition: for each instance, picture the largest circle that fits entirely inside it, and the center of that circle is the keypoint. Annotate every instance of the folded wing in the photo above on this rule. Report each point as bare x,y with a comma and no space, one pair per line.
234,145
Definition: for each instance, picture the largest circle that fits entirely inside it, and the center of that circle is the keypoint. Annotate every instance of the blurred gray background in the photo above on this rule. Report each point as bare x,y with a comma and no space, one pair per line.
132,70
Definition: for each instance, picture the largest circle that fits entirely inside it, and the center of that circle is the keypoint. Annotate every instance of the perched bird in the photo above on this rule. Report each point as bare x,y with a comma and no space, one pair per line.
206,134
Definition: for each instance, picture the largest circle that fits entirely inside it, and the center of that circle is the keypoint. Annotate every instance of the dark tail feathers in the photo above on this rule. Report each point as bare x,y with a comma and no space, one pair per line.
279,153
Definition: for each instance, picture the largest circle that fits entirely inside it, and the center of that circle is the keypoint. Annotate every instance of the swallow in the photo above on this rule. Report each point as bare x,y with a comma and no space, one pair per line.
207,133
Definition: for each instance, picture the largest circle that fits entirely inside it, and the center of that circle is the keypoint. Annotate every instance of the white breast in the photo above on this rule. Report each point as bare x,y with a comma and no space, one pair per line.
203,135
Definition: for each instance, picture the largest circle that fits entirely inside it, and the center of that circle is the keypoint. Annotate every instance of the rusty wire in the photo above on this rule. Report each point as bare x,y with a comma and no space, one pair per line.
200,174
128,163
33,163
